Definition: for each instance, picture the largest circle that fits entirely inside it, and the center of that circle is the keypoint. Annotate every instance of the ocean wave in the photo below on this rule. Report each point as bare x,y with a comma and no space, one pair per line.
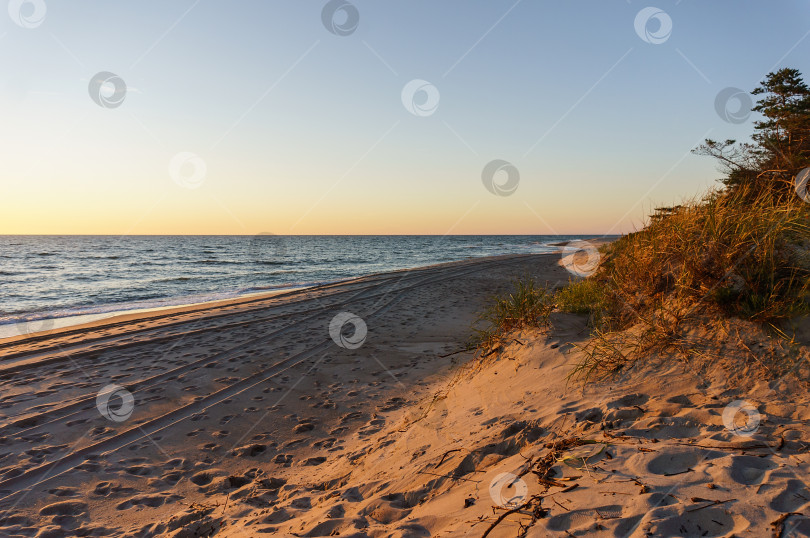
217,262
51,275
174,279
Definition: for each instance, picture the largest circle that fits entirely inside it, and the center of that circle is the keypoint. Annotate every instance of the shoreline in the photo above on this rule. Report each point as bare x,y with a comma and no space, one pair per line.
11,331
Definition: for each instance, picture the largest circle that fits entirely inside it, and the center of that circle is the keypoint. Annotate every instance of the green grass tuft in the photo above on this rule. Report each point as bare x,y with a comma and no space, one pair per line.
529,305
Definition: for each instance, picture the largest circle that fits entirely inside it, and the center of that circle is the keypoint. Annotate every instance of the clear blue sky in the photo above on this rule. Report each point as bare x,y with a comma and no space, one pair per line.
305,131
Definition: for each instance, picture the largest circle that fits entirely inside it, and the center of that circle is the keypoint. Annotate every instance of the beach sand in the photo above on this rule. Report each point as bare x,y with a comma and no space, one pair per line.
248,419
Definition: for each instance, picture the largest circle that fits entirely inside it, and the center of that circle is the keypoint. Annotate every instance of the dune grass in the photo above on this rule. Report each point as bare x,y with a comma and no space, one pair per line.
738,251
729,254
732,253
529,305
588,296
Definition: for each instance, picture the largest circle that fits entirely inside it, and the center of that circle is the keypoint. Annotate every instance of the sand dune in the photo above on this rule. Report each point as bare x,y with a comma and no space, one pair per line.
248,419
650,454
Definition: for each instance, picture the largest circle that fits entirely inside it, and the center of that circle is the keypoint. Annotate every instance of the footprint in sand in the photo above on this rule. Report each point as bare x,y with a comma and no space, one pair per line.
665,428
372,427
749,469
677,461
792,497
152,501
203,478
64,508
278,515
172,477
105,488
227,483
355,415
582,519
324,443
249,451
387,509
629,400
352,494
139,470
392,404
713,521
592,414
304,426
64,492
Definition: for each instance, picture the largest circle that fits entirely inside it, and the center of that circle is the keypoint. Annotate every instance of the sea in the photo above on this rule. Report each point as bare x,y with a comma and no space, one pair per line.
74,279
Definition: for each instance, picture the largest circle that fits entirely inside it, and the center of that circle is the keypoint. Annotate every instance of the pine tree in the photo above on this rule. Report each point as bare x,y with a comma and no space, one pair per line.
781,141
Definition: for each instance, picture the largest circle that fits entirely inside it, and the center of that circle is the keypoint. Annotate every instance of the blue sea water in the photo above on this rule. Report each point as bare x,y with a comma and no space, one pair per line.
46,277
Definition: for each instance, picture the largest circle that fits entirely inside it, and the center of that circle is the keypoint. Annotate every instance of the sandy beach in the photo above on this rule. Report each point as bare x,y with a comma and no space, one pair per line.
495,269
246,417
245,386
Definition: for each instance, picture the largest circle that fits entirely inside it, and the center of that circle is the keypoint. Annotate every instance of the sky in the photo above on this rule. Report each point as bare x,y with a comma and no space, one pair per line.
362,117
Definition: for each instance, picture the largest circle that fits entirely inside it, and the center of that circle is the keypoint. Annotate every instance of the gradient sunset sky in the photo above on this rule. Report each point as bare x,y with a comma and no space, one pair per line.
303,131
